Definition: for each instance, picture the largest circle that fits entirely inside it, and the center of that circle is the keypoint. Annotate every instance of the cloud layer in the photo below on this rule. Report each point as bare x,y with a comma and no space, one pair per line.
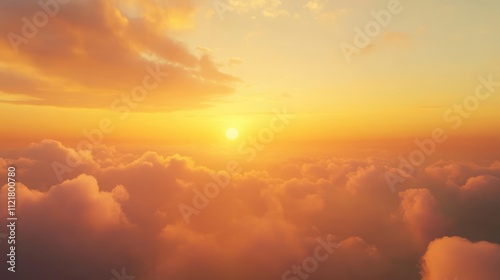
114,210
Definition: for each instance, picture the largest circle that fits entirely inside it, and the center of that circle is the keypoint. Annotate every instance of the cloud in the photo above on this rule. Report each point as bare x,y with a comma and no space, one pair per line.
314,5
113,44
234,61
396,38
268,8
421,213
74,216
479,195
459,258
260,224
389,40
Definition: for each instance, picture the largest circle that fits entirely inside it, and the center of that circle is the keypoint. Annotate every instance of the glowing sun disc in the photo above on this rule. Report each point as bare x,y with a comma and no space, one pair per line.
231,134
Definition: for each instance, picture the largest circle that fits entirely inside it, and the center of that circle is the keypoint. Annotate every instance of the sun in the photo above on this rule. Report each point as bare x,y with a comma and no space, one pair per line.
231,133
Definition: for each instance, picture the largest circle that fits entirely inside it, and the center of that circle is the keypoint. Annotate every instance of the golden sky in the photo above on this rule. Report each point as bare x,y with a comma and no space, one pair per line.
251,139
221,65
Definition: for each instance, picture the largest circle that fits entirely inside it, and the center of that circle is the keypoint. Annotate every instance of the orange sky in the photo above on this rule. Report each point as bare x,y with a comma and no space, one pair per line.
215,72
363,144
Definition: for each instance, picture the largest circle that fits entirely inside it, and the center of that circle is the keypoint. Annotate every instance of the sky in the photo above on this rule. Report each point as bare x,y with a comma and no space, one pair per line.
222,139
